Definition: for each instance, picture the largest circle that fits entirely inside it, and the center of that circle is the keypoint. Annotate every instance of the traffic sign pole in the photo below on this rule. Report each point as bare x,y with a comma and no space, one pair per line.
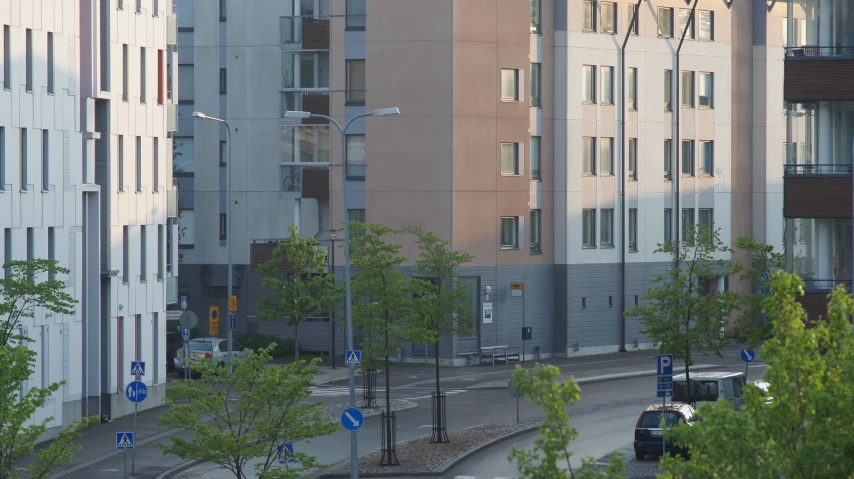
125,454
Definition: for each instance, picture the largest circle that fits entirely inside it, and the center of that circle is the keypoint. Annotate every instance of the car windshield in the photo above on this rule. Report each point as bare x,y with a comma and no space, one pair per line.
653,419
200,345
700,391
223,346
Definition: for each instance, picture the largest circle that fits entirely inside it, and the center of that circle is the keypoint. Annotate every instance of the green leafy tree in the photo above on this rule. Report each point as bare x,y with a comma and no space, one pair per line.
20,294
680,313
761,261
383,300
550,456
802,428
444,299
307,291
246,415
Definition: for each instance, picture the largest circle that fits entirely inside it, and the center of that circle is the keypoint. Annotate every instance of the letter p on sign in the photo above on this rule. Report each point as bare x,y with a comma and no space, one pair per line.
665,365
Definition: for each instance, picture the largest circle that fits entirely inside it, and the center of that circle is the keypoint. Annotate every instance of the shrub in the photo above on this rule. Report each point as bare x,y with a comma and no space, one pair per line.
256,341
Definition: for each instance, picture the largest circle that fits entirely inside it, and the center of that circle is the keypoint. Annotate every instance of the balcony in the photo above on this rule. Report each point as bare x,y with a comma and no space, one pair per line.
311,181
304,33
312,101
171,117
171,290
817,191
819,73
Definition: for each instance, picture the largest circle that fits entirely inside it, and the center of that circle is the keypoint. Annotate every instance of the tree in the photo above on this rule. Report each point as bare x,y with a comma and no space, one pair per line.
681,314
756,274
802,429
383,306
550,456
306,291
246,415
20,294
443,296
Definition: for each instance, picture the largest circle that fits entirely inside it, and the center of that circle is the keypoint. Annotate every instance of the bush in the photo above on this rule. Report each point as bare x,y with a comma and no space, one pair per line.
256,341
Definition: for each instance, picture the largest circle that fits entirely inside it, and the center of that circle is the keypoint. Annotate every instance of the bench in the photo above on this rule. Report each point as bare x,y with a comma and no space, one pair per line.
505,352
467,348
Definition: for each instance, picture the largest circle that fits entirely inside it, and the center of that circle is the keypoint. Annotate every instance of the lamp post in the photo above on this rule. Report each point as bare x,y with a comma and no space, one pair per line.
201,116
332,267
354,456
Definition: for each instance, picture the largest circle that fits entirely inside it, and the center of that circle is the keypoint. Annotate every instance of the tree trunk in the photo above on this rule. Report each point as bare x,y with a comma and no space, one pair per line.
387,394
296,340
688,380
437,369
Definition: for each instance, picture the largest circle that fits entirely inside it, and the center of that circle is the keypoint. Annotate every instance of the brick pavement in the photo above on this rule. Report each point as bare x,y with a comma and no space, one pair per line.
646,469
419,457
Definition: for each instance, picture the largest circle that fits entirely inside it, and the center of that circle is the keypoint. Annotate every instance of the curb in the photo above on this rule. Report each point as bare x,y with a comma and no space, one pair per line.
179,468
445,467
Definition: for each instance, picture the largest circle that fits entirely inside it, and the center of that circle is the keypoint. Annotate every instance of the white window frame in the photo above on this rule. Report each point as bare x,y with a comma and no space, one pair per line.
706,90
633,88
588,24
633,159
588,228
510,75
613,17
687,93
536,231
588,160
517,153
669,28
606,156
707,158
588,83
710,15
690,35
606,225
633,230
513,221
607,84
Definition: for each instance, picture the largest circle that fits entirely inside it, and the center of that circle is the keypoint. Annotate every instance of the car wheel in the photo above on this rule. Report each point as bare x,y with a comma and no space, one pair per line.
639,456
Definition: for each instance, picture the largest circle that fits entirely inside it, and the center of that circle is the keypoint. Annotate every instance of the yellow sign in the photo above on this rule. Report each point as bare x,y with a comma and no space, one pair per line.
232,304
214,321
516,286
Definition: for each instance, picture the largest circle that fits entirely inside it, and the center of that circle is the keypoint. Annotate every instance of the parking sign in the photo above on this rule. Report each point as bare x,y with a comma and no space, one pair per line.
665,365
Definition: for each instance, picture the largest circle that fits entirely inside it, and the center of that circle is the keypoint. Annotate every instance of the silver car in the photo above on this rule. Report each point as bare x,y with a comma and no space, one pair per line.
210,348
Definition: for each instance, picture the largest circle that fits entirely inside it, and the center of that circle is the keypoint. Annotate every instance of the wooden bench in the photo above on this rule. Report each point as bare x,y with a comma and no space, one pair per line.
505,352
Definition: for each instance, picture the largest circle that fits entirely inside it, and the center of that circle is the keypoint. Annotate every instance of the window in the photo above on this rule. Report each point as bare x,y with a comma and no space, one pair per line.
160,78
588,75
305,144
143,259
29,59
707,158
356,86
633,27
665,22
536,7
139,164
606,161
222,10
668,160
223,81
156,165
121,159
223,154
356,15
223,226
30,244
186,84
588,228
2,158
707,25
22,157
588,21
142,92
160,252
707,87
169,238
688,225
633,230
7,253
356,215
138,6
633,158
7,58
588,156
685,24
687,89
51,250
51,87
510,158
125,255
509,85
668,224
536,85
356,163
305,69
706,220
125,79
510,232
607,228
535,158
45,160
609,17
687,158
535,231
607,84
633,88
668,90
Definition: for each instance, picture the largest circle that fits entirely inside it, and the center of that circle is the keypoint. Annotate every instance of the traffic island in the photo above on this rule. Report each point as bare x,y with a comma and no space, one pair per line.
336,410
420,457
646,469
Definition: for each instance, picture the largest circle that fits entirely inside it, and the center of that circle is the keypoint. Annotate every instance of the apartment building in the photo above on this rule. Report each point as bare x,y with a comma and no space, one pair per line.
510,144
81,80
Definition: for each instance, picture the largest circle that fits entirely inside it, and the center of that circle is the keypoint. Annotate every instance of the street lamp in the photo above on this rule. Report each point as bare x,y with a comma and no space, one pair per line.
354,457
197,115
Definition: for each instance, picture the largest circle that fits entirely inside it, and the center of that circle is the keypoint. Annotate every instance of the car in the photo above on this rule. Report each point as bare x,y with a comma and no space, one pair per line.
763,388
207,348
174,342
649,437
708,387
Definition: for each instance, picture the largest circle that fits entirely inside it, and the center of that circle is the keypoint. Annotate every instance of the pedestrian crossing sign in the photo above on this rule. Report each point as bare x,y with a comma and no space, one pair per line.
353,357
124,441
137,368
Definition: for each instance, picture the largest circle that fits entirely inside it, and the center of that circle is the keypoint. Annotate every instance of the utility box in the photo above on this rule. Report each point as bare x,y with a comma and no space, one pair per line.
526,333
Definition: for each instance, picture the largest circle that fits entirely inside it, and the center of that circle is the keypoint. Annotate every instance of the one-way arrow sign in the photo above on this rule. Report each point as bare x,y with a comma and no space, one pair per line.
352,419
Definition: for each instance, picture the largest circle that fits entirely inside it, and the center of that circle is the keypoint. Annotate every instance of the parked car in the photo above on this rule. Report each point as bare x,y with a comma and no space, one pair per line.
649,437
708,387
763,387
174,342
207,348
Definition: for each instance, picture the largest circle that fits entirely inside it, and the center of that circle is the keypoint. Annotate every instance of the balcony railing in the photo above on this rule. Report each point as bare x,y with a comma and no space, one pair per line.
825,284
809,52
171,290
291,179
311,31
818,170
292,100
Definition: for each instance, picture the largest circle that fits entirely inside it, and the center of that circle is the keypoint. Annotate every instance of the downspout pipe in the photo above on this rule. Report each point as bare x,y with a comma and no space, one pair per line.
677,176
623,244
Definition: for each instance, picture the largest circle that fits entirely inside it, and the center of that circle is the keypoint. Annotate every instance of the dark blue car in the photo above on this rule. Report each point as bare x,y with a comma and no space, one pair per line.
649,437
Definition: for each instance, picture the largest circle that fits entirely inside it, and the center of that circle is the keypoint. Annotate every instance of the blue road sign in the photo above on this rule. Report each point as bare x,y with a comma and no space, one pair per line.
124,441
748,355
665,386
137,368
185,333
136,391
290,448
183,302
232,321
665,379
664,365
665,393
353,357
352,419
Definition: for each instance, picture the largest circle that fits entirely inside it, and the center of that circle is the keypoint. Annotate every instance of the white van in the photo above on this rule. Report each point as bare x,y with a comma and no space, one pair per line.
708,387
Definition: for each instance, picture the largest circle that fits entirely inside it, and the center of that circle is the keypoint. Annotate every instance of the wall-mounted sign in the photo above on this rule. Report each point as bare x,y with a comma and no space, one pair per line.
516,289
487,313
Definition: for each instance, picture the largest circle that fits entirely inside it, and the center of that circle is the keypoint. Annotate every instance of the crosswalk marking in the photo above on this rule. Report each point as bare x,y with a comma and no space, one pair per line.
339,391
